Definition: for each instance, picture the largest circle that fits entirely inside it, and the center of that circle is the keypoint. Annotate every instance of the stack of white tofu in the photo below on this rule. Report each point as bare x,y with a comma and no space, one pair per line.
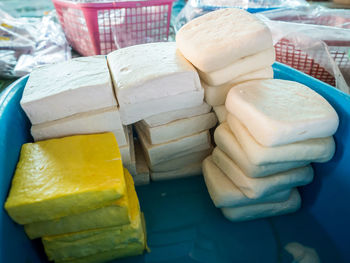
75,97
160,91
227,47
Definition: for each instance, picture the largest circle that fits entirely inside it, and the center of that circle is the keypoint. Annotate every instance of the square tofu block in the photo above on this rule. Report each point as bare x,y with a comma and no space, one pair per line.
63,89
278,112
177,129
97,121
166,117
108,216
144,75
262,186
186,171
61,177
251,212
159,153
227,142
217,39
239,68
312,150
225,193
221,113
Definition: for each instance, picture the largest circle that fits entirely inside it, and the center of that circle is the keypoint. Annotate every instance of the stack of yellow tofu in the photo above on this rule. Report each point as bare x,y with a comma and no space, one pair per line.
75,194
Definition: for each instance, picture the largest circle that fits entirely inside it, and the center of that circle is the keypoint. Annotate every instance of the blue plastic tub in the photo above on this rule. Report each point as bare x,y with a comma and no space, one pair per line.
182,223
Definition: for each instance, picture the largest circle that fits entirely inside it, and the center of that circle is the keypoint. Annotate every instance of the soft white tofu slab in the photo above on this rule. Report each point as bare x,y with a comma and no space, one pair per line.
166,117
159,153
128,152
186,171
174,164
251,212
239,68
96,121
312,150
278,112
225,193
67,88
226,141
217,39
121,136
262,186
221,113
178,129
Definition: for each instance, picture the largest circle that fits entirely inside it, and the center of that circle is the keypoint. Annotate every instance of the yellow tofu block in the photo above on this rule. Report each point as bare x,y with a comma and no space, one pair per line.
90,242
66,176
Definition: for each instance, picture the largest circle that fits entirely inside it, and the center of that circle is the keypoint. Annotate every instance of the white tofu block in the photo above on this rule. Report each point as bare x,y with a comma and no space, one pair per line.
278,112
217,39
166,117
177,129
121,136
221,113
128,152
312,150
186,171
174,164
132,113
142,175
251,212
159,153
265,73
226,141
67,88
225,193
262,186
239,68
97,121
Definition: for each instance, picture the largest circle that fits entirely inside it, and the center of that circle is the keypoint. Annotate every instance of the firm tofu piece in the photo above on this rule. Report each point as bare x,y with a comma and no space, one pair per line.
217,39
278,112
108,216
146,75
221,113
186,171
166,117
61,177
239,68
216,95
262,186
177,129
312,150
142,175
85,243
159,153
127,152
225,193
227,142
251,212
67,88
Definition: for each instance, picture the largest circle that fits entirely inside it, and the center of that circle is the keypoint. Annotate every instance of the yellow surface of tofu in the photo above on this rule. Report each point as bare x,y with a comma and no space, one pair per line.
66,176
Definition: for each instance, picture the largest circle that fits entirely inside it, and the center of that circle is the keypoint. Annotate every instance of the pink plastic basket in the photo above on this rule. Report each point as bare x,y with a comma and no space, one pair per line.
99,28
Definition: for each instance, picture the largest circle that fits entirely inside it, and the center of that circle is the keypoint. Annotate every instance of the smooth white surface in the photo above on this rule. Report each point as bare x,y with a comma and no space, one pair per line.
265,73
262,186
225,193
186,171
256,211
121,136
63,89
221,113
128,152
217,39
227,142
278,112
313,150
239,68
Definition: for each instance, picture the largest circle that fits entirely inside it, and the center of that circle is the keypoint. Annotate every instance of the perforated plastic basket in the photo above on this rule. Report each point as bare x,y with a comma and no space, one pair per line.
99,28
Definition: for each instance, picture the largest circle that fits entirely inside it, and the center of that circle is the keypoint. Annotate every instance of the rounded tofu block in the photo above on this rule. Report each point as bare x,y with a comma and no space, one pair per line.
263,186
251,212
61,177
312,150
186,171
278,112
239,68
170,116
225,193
217,39
67,88
221,113
178,129
227,142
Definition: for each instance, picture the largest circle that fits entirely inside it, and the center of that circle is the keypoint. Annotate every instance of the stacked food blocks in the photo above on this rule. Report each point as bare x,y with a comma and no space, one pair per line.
160,91
75,194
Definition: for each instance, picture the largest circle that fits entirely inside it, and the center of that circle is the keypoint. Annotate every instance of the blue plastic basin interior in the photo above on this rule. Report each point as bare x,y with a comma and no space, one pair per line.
182,223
